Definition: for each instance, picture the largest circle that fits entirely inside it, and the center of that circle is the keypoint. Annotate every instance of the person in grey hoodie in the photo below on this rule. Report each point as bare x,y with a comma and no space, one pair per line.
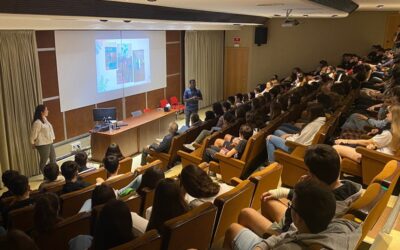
312,211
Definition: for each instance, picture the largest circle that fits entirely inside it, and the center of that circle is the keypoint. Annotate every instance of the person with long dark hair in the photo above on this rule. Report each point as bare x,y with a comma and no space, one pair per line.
46,214
42,136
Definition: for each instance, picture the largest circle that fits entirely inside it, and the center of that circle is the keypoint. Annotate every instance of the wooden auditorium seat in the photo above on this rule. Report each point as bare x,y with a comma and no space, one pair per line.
192,230
147,202
63,232
142,169
72,202
21,219
125,165
370,206
121,181
150,240
229,206
264,180
168,159
372,162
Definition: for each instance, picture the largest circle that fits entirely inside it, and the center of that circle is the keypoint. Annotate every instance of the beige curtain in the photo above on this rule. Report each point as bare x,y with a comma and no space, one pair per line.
20,92
204,61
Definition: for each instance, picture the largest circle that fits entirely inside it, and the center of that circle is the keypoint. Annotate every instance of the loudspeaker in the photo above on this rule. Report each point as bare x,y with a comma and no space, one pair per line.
261,35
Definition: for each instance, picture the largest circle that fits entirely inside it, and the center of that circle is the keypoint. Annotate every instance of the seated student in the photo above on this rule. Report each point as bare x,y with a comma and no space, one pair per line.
21,190
387,142
234,148
149,179
111,164
168,203
226,106
114,149
195,121
238,99
69,170
231,100
81,159
17,240
164,144
323,165
100,195
46,214
52,177
210,115
305,136
199,187
113,228
7,176
312,211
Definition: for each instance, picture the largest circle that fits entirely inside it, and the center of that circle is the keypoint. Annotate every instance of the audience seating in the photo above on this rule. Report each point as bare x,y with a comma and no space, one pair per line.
192,230
142,169
125,165
264,180
192,133
229,206
151,240
134,202
147,202
72,202
21,219
371,205
121,181
63,232
372,162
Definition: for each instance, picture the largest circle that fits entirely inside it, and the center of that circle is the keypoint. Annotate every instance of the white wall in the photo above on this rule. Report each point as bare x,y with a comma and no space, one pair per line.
305,45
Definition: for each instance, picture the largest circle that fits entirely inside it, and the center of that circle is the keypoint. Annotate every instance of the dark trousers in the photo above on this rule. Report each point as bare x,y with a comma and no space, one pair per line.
188,113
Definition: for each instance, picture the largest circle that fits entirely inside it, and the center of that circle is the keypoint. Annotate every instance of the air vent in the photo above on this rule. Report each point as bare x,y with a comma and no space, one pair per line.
270,4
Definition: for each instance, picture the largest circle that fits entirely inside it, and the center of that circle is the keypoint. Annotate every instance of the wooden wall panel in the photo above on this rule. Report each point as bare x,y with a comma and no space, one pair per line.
45,39
173,36
236,71
173,58
79,121
113,103
174,87
48,73
135,102
56,118
154,97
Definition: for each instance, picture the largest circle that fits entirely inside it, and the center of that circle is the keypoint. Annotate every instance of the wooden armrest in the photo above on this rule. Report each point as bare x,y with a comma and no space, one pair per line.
189,156
377,156
142,169
229,160
283,156
236,181
196,145
203,165
161,155
214,166
292,144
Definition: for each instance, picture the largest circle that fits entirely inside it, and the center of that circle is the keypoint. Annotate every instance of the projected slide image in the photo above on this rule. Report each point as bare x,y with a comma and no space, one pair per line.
122,63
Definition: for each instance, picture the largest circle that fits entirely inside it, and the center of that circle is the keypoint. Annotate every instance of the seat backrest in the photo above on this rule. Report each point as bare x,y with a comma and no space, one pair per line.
265,180
229,206
91,176
150,240
136,113
193,229
176,144
121,181
21,219
174,100
142,169
134,202
125,165
63,232
148,198
163,103
72,202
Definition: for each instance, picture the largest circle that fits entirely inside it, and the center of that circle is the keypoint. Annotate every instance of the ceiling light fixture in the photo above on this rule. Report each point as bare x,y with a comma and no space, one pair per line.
103,20
380,6
277,15
305,15
127,21
334,15
151,0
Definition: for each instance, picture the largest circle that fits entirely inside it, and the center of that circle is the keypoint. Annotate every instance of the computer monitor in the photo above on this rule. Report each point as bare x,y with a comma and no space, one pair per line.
104,114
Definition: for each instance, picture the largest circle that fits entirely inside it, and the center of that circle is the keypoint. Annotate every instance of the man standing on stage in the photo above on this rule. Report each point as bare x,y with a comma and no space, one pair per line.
191,98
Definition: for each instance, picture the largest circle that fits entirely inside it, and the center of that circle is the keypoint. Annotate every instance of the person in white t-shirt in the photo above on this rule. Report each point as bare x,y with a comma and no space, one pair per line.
42,136
387,142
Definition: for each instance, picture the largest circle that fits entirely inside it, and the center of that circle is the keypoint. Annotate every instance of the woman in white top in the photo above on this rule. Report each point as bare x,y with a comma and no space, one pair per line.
305,136
387,142
42,136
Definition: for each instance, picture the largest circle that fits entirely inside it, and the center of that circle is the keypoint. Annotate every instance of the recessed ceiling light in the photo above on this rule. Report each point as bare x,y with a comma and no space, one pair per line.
305,15
277,15
103,20
380,6
151,0
127,21
334,15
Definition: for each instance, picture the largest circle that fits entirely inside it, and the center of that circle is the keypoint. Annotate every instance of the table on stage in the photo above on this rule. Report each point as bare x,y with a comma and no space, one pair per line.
139,132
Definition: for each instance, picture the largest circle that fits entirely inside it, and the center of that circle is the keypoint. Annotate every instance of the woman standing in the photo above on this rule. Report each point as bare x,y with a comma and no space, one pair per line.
42,136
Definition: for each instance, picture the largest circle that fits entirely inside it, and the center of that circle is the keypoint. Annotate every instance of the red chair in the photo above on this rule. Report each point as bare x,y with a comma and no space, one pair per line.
163,103
175,104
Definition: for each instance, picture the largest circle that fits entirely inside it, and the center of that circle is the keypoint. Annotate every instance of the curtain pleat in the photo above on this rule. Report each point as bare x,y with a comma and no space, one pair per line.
20,93
204,52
